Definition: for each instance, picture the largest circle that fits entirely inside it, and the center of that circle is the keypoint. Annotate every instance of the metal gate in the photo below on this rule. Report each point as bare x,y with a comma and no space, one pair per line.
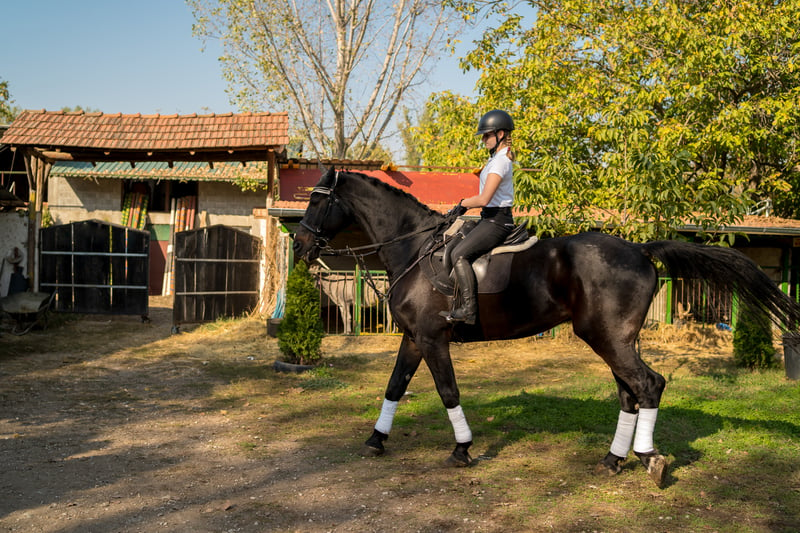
681,300
95,267
349,304
216,274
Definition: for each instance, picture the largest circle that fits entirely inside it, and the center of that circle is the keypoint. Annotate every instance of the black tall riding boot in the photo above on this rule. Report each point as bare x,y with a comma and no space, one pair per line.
465,278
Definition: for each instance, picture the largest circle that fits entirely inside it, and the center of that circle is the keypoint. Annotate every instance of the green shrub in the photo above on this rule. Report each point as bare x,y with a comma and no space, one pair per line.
300,333
752,340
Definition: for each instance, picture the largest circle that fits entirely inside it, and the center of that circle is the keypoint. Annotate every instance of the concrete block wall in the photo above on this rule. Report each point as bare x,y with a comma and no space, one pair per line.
227,204
14,231
75,199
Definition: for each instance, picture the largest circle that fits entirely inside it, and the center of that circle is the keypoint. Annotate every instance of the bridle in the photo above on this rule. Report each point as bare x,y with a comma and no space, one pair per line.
358,253
321,241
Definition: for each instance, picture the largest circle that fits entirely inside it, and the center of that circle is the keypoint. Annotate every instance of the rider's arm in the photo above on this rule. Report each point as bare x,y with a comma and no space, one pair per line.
482,199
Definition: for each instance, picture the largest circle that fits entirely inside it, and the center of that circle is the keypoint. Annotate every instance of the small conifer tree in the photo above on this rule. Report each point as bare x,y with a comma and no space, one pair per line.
300,333
752,340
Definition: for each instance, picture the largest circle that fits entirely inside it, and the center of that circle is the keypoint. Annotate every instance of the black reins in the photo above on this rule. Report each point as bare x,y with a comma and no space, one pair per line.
360,252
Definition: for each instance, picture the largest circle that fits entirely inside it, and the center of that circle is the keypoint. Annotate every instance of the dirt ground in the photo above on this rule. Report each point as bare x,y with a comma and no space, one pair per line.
99,435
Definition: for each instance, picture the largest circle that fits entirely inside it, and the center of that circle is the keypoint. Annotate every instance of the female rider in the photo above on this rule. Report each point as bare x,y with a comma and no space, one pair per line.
495,199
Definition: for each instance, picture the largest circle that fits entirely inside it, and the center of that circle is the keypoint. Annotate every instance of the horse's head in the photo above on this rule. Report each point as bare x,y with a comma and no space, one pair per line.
325,217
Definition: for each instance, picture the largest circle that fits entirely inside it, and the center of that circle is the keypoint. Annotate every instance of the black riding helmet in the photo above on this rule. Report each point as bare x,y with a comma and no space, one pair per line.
495,120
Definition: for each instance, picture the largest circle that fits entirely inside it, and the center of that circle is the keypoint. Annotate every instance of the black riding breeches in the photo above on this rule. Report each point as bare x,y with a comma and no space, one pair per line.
491,231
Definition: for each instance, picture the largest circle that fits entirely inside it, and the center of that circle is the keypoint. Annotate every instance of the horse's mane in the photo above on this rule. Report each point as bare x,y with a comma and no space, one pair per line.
394,190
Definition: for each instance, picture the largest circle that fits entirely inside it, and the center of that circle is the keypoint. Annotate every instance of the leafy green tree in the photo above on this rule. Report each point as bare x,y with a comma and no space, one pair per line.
377,152
646,115
6,111
752,340
445,132
300,333
413,155
77,109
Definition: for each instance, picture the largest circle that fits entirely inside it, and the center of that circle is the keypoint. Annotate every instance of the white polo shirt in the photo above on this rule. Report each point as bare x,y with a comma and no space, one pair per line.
501,165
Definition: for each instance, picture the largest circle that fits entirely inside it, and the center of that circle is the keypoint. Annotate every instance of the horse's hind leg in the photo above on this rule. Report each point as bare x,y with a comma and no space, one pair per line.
626,426
406,365
639,390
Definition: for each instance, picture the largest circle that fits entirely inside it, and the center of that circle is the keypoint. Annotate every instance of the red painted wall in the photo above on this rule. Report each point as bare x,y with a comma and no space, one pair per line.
430,188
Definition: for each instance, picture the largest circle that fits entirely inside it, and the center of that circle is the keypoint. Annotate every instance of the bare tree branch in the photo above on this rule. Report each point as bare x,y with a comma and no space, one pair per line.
341,68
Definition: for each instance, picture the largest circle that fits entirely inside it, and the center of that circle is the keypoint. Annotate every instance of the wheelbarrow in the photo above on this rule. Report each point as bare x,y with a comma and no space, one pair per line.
27,309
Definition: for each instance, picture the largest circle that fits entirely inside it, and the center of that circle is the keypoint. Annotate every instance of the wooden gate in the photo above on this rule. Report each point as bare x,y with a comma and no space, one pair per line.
216,274
95,267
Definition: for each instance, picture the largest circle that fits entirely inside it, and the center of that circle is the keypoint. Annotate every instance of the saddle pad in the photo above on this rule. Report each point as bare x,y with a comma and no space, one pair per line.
515,247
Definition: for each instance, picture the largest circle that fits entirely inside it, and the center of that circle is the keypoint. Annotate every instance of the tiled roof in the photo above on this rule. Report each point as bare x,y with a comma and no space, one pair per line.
158,170
147,132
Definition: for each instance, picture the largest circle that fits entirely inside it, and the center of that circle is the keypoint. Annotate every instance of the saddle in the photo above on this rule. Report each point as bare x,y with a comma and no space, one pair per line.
491,269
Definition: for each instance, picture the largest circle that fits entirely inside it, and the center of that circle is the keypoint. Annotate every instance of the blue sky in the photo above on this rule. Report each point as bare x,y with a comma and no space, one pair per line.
128,56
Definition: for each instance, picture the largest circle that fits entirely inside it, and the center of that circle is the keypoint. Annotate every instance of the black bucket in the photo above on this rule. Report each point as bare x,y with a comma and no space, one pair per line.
272,326
791,355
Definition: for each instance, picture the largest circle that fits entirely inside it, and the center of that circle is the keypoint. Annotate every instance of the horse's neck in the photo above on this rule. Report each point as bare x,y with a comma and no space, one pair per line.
385,216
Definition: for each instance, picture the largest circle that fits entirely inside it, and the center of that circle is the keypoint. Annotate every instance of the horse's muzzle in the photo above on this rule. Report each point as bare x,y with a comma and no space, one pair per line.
305,246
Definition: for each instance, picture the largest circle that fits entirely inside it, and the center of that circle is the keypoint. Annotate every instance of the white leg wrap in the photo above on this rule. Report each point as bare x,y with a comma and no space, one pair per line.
384,423
460,426
626,424
643,443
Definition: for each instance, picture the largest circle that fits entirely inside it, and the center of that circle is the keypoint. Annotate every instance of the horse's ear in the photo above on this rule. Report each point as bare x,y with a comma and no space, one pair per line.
328,178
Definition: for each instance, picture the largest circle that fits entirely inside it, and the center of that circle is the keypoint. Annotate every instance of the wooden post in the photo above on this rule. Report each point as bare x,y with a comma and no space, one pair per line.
272,170
268,265
38,171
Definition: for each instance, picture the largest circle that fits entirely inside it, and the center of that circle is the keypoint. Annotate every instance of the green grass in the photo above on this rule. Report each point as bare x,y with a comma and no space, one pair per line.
733,439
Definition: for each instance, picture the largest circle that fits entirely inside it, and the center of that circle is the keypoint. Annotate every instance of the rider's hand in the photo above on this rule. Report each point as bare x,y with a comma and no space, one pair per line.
457,210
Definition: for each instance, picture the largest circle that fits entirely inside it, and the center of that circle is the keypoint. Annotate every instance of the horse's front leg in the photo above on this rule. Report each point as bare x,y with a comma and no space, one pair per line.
437,356
406,365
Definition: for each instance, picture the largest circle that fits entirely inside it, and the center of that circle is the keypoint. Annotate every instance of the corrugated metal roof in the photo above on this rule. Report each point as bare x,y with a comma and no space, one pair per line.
158,170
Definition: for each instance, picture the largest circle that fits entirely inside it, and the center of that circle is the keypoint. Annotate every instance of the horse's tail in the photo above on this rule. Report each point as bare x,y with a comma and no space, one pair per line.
726,270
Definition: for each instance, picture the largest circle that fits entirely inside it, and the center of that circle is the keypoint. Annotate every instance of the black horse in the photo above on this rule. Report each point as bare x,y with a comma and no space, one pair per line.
602,284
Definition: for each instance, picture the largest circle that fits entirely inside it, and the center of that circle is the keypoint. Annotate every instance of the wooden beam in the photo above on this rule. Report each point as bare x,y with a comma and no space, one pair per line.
217,156
272,169
54,155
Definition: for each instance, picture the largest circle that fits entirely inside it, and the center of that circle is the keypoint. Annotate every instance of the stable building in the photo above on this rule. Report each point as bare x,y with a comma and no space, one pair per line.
91,166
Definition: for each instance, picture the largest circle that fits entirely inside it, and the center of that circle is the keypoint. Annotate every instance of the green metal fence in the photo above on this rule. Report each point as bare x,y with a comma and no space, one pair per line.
351,307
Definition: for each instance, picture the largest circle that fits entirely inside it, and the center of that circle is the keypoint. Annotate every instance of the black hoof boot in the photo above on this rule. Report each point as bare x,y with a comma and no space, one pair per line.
373,447
656,465
610,465
460,456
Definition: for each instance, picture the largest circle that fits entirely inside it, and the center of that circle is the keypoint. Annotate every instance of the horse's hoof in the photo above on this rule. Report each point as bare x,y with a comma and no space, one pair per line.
657,470
373,447
371,451
460,456
459,461
611,465
656,465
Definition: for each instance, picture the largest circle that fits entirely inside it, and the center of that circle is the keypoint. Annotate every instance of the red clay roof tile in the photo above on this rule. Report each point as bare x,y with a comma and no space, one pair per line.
166,132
